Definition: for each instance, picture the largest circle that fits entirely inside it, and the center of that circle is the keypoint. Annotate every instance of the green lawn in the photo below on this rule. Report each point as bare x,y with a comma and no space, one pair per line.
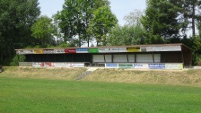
26,95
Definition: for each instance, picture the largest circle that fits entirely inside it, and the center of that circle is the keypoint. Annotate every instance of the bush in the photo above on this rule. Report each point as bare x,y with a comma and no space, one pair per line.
16,59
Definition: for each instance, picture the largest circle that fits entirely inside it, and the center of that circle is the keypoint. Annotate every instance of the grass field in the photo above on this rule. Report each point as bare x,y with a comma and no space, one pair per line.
28,94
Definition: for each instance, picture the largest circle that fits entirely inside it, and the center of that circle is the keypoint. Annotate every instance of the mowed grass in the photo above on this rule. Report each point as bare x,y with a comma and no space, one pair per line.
32,95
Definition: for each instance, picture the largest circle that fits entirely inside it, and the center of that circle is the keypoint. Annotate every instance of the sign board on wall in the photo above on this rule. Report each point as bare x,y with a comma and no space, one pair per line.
82,50
111,65
104,50
70,50
48,51
156,66
38,51
25,51
93,50
125,65
122,50
114,50
174,66
58,51
140,66
38,64
163,48
133,49
57,65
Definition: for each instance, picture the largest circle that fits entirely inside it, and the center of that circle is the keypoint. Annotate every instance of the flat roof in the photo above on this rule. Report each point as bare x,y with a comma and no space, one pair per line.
107,49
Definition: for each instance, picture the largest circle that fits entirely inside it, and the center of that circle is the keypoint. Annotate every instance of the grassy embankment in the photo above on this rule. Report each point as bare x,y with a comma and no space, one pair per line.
27,90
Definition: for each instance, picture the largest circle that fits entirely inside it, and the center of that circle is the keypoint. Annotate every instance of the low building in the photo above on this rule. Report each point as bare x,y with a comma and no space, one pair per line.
158,56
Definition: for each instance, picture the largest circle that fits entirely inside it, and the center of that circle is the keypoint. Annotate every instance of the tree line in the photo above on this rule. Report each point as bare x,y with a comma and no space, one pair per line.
92,23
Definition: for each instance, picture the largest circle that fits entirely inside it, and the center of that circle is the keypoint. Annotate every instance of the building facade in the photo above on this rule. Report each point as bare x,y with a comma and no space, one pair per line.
159,56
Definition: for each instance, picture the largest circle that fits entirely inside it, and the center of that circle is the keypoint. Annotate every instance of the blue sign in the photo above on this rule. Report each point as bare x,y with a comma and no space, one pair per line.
82,50
111,65
156,66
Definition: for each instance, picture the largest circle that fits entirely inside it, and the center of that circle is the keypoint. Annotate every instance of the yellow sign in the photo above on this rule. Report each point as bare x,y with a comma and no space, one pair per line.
133,49
38,51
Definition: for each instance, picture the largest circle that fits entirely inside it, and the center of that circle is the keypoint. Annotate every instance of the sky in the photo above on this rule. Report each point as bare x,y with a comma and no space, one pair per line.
120,8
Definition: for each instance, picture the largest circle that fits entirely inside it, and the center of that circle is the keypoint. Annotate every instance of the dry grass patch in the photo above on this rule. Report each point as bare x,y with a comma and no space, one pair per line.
58,73
170,77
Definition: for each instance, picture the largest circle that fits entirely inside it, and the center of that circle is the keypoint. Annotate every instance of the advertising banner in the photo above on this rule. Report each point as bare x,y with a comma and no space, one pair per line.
38,51
164,48
38,64
156,66
58,51
25,51
140,66
82,50
114,49
60,65
125,65
174,66
76,64
48,51
104,50
93,50
122,50
133,49
111,65
70,50
47,64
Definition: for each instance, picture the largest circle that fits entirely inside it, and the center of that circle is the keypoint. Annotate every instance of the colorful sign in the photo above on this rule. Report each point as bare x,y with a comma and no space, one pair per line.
93,50
156,66
82,50
122,50
140,66
174,66
114,49
125,65
164,48
38,51
111,65
25,51
48,51
104,50
76,64
38,64
70,50
133,49
58,51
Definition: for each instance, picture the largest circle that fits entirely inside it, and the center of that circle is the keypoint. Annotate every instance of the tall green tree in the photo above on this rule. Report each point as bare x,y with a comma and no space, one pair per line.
160,20
16,19
102,23
44,30
75,18
192,14
131,33
125,35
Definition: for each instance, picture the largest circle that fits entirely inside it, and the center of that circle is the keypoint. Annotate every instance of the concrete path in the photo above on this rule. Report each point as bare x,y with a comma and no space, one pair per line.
86,73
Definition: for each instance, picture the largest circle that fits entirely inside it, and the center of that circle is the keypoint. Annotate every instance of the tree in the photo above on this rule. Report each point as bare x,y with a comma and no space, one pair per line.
133,19
160,20
192,13
43,30
125,35
16,19
101,24
129,34
75,18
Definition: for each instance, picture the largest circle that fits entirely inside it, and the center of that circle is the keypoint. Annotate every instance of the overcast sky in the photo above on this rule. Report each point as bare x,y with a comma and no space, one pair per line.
120,8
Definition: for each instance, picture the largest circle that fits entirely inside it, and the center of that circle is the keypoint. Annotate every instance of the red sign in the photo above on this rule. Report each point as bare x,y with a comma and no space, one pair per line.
70,50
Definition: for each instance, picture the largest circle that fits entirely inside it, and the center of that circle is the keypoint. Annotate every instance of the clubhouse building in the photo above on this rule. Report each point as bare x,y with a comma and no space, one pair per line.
158,56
